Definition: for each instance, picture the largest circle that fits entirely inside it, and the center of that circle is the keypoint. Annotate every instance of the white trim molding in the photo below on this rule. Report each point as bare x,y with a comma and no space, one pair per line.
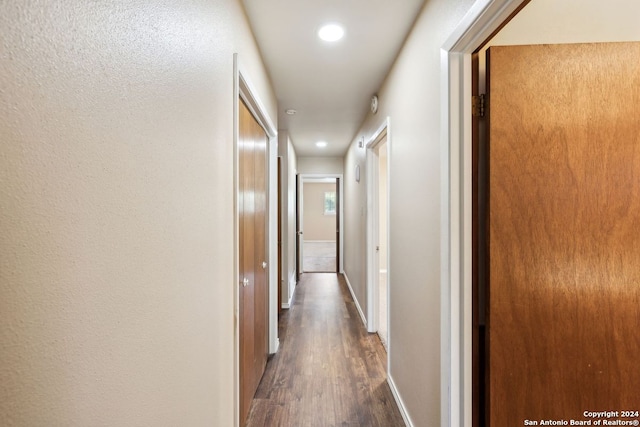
482,20
401,406
292,290
355,300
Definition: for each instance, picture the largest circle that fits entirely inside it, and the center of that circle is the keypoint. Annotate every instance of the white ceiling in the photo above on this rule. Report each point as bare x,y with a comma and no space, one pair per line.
330,85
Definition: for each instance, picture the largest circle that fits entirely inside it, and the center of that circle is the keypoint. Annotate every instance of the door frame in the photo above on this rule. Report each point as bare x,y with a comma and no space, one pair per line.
373,222
340,214
245,90
299,228
279,232
482,21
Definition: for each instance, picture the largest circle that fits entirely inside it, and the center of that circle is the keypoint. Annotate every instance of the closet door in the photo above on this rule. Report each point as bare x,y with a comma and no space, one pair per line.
253,310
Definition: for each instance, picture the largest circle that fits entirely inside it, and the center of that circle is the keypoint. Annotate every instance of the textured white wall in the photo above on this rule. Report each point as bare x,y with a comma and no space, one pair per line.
382,204
116,260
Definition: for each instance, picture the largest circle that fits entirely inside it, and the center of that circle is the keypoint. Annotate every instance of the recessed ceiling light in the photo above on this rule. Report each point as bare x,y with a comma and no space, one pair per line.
321,144
331,32
290,111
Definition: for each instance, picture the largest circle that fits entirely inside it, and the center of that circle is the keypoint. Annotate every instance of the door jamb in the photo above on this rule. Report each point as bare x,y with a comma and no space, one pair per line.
243,88
299,226
373,302
480,23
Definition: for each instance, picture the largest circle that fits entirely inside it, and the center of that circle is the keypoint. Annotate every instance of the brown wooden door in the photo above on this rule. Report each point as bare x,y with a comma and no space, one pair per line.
252,148
564,232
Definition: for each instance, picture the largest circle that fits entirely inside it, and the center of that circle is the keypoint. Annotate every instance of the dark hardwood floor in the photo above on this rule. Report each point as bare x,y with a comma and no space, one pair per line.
329,371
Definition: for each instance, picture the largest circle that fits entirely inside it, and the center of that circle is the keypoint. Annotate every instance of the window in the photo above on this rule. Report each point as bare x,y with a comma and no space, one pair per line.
329,202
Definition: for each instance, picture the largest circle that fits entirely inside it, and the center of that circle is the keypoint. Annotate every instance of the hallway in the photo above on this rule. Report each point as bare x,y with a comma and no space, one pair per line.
328,371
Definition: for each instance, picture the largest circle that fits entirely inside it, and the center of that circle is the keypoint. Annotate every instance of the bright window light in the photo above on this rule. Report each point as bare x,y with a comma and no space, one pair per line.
331,32
329,202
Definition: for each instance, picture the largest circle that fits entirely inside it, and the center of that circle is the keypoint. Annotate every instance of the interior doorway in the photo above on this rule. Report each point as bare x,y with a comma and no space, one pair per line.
378,283
382,246
320,224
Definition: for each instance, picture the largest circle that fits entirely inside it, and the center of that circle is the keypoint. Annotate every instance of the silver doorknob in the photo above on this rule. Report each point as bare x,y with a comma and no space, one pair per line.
264,264
245,282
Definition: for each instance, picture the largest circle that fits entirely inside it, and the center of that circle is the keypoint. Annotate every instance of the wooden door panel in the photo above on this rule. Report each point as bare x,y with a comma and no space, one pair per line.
247,258
564,231
253,298
260,285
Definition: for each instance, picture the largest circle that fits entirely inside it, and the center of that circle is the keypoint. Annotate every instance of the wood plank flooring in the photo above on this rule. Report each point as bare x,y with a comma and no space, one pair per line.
329,371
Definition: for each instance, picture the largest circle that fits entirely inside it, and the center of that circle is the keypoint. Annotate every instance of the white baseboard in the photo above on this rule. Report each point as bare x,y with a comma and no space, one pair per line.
399,402
355,300
292,286
277,346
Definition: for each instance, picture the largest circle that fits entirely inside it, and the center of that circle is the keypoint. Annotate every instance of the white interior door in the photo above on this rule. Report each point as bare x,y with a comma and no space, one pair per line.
378,233
382,207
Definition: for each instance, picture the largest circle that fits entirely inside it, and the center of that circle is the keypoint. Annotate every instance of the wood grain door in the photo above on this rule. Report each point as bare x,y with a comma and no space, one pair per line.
563,314
253,314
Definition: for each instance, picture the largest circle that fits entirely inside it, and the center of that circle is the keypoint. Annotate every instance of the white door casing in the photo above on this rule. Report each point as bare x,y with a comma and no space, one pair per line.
481,21
372,166
339,183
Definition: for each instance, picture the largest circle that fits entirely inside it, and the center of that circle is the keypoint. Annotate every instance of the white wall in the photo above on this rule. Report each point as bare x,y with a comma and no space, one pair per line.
382,204
320,165
572,21
288,177
411,97
116,164
317,225
355,223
